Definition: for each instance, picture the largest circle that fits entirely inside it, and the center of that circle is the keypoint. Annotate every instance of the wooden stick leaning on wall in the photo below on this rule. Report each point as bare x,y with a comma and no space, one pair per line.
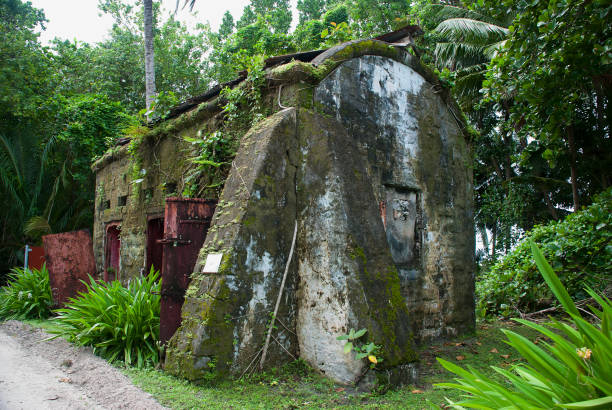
278,299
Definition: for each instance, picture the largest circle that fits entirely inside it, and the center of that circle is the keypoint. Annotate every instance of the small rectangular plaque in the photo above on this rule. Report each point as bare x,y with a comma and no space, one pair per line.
213,261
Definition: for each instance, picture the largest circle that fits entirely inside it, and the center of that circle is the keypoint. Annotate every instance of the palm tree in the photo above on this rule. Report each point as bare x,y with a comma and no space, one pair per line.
469,41
149,54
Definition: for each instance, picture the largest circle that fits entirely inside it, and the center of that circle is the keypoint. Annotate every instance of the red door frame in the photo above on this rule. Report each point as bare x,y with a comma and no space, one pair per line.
112,251
155,232
186,223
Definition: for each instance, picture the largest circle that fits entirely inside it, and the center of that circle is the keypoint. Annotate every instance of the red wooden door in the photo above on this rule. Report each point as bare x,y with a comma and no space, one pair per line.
155,232
112,253
186,223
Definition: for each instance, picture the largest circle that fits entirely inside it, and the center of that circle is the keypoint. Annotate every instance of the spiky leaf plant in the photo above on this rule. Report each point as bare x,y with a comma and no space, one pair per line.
27,295
573,371
121,323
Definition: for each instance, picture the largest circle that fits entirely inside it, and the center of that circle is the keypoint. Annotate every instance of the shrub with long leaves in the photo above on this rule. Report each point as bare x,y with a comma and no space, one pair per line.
121,323
27,295
574,371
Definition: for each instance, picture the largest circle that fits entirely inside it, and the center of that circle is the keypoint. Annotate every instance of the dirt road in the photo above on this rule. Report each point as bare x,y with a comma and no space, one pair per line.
38,374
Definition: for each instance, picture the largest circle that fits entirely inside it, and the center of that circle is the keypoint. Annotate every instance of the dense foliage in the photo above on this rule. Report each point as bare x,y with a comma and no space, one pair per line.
27,295
532,77
571,371
579,248
121,323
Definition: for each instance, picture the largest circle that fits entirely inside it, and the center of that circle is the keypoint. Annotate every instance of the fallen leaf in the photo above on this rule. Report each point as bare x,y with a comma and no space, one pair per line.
479,344
417,391
505,356
494,350
460,344
460,357
65,380
340,389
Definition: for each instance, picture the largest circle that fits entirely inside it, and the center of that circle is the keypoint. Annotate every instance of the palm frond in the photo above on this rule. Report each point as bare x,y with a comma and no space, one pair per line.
37,225
471,31
459,55
38,186
443,12
492,50
189,3
10,152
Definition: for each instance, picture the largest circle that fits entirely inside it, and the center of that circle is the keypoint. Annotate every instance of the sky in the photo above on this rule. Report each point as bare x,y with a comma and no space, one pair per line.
80,19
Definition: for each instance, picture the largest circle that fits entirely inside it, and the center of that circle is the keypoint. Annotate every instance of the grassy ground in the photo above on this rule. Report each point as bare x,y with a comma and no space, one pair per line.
295,386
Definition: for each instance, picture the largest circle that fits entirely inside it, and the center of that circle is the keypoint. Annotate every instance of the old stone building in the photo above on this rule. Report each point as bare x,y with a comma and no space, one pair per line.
366,153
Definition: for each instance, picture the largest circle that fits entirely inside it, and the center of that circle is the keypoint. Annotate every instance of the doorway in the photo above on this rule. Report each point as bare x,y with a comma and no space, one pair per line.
186,223
155,249
112,253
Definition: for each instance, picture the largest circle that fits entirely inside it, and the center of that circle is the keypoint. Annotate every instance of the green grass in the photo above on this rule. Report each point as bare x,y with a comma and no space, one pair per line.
48,325
298,387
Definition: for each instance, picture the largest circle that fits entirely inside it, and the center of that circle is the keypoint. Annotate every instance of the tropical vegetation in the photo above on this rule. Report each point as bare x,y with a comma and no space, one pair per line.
579,248
120,322
533,79
27,295
571,370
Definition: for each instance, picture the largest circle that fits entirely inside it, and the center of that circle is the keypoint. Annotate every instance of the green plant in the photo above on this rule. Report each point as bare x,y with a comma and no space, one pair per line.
574,371
121,323
336,33
362,351
27,295
578,248
215,151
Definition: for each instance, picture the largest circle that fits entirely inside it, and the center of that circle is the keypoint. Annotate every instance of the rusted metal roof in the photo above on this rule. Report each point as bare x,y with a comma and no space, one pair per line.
304,56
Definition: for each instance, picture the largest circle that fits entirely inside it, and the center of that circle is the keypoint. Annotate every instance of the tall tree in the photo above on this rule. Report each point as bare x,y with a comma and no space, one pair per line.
149,53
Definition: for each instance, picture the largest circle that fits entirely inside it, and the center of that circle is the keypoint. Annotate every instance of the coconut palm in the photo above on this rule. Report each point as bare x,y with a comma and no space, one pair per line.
469,40
149,54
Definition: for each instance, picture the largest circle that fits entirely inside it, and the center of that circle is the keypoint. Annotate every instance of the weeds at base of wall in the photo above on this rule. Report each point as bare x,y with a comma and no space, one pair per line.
296,385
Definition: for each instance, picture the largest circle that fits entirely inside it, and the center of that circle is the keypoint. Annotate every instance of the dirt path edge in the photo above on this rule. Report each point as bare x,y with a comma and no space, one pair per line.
66,376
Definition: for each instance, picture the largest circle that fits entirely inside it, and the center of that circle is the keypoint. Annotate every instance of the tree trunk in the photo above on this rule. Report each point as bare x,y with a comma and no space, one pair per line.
493,241
149,54
549,204
572,149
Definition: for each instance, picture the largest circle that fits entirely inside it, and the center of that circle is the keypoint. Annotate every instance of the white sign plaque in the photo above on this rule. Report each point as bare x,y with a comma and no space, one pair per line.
213,261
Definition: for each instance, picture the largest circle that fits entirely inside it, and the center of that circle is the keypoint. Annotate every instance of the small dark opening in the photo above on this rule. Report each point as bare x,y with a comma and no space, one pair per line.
155,232
170,188
106,204
122,201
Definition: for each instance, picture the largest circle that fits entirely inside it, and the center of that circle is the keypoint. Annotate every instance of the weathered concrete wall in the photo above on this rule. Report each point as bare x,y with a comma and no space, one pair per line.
133,188
373,166
225,315
347,278
418,167
294,166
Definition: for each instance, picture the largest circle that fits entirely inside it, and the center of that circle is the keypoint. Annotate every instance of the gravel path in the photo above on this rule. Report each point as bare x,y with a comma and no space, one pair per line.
53,374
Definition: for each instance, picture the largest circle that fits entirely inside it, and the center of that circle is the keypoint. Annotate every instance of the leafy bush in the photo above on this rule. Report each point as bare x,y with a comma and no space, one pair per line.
121,323
27,295
578,248
574,371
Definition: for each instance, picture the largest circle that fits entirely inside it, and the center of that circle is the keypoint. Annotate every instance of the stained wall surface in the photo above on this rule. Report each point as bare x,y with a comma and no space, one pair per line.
131,189
371,163
418,166
376,177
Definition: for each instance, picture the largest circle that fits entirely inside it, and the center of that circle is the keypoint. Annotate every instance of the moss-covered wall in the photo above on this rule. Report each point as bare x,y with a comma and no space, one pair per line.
132,187
372,163
418,165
